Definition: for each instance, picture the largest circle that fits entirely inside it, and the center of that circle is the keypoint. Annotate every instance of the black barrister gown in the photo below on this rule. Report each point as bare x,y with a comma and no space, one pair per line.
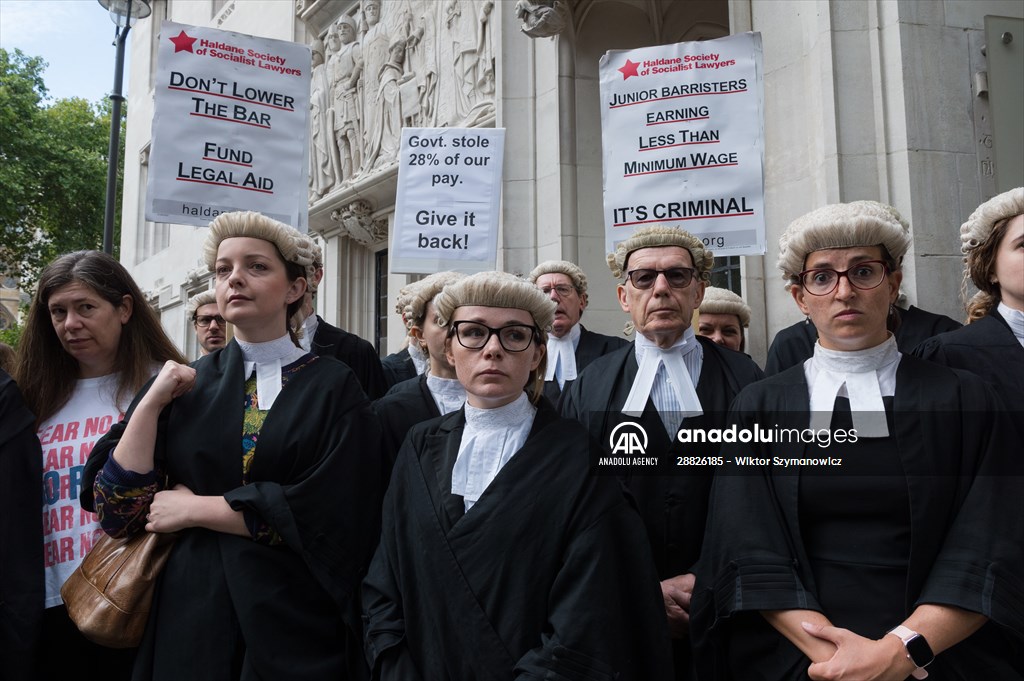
397,367
405,405
546,577
963,480
21,530
226,606
673,505
673,500
989,349
795,344
591,346
354,352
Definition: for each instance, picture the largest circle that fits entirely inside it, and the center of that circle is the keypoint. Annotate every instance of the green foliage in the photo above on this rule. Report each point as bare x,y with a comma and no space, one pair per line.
53,170
11,335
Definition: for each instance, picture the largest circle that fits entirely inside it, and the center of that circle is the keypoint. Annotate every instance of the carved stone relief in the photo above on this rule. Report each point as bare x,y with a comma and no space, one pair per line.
543,19
357,222
394,63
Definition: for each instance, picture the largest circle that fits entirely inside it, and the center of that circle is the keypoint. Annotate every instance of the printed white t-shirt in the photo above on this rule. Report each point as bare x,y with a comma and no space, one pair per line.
67,437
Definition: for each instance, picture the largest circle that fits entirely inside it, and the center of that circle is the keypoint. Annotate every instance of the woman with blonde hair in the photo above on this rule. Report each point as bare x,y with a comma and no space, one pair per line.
501,555
887,537
992,343
91,341
270,457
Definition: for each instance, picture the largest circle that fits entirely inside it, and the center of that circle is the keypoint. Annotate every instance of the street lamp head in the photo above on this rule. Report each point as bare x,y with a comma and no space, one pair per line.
125,12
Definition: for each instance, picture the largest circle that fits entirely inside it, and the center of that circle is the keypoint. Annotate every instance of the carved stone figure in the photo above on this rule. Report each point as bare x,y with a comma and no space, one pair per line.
374,51
461,21
322,169
389,131
420,25
346,69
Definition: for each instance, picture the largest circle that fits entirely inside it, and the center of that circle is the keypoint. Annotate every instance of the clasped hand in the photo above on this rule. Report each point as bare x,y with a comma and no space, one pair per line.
858,658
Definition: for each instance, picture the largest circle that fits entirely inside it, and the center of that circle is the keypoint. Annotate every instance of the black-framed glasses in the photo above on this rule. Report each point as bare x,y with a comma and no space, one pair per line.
677,277
204,321
864,276
562,290
474,336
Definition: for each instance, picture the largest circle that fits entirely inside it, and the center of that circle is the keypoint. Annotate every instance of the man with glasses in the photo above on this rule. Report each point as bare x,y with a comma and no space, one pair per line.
571,347
206,320
667,379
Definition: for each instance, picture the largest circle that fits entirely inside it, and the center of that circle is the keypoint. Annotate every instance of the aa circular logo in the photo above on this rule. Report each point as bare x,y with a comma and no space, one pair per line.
628,438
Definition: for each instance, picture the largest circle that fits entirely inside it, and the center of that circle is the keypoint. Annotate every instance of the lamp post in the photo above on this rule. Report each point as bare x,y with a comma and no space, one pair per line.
123,13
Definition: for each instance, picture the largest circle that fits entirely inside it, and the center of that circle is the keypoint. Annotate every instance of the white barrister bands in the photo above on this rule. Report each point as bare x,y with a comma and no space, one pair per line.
267,359
680,390
866,376
562,357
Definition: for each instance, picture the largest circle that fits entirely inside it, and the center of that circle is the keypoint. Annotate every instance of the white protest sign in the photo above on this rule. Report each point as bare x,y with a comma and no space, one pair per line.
683,133
446,209
230,129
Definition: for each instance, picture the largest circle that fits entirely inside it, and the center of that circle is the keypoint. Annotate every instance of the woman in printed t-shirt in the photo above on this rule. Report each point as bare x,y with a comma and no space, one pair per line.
90,342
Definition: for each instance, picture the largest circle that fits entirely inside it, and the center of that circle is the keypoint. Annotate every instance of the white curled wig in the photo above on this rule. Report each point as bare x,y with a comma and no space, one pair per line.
723,301
979,242
658,236
842,225
500,289
403,302
979,226
293,246
200,299
569,269
318,263
425,291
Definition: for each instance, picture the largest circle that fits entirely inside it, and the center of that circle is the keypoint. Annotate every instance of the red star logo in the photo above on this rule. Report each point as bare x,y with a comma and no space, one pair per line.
628,70
182,43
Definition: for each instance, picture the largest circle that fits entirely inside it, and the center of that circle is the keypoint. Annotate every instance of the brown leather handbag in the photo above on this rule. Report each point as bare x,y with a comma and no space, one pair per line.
109,596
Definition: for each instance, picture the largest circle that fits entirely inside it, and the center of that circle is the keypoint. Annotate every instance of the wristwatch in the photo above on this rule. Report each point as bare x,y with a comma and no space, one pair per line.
918,650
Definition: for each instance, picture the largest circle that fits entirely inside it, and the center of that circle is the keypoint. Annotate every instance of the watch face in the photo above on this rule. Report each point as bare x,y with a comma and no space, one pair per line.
919,650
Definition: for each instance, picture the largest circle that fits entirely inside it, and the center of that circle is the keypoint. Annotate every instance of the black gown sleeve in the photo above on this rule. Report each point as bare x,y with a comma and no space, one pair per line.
611,624
21,531
383,620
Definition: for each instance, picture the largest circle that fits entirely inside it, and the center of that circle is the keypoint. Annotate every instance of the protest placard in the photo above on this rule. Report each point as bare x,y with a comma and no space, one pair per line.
682,128
446,209
230,128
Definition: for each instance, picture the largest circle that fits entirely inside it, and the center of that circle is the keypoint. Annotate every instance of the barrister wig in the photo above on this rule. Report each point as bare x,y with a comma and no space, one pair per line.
424,292
293,246
495,289
723,301
500,289
980,237
197,301
569,269
403,301
842,225
318,263
659,236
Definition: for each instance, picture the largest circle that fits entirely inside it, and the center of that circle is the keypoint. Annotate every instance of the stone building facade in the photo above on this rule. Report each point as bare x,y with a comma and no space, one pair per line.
864,99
